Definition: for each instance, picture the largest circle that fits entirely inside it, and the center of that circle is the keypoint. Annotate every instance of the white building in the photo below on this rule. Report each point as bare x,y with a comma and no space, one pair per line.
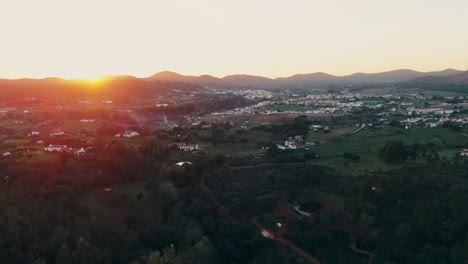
87,120
57,132
56,148
187,147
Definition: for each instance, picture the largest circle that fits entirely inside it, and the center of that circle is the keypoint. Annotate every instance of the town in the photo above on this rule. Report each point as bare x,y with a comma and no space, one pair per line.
282,166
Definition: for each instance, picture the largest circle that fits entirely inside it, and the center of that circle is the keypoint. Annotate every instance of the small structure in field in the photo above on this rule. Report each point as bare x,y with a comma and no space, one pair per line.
464,153
187,147
56,148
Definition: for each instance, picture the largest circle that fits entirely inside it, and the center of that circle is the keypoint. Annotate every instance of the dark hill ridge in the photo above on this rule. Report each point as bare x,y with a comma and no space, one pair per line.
112,87
167,75
457,78
318,76
460,78
304,80
123,84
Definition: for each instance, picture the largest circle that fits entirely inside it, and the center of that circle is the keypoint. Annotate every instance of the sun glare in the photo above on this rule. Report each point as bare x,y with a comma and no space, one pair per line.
92,82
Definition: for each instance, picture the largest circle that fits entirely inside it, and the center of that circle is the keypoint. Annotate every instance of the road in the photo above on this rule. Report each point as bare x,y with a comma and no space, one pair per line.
264,231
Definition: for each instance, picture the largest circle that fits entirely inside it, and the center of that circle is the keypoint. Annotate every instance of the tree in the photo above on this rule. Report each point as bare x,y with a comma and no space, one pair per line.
393,152
40,261
203,251
168,257
272,150
350,156
63,256
85,253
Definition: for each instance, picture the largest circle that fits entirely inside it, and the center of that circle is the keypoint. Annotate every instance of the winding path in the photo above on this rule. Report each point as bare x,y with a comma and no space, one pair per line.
265,232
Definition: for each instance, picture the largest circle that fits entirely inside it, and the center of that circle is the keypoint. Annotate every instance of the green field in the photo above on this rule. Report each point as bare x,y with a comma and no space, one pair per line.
109,204
448,154
253,141
368,141
371,102
318,136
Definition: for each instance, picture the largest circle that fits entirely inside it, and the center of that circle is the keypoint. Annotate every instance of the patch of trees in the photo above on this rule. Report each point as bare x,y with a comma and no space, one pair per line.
288,155
203,105
298,127
419,213
351,156
393,152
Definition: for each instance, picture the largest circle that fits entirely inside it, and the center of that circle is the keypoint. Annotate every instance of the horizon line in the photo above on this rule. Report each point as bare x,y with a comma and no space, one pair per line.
215,76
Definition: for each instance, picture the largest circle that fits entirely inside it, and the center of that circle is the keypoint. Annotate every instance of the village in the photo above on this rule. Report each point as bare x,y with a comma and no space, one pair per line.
26,129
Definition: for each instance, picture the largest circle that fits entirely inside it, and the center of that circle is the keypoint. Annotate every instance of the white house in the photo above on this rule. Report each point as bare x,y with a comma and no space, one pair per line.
182,163
464,153
57,132
290,144
56,148
130,134
79,152
188,147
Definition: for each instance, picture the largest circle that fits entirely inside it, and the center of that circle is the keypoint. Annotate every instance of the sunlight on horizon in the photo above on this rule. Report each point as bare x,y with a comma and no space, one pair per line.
91,39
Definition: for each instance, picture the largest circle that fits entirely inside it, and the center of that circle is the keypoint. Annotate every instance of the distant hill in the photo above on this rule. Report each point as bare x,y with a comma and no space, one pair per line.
446,77
460,78
389,76
303,80
318,76
168,75
457,82
112,87
238,80
246,80
123,85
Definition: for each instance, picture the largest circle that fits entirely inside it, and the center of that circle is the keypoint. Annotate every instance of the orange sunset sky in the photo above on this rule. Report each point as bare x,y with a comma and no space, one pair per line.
93,38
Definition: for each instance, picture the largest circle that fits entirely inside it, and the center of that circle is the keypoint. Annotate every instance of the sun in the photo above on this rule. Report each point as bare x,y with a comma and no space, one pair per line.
93,83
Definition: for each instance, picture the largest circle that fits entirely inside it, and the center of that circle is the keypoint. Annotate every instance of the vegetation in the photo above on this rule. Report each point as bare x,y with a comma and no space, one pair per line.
365,188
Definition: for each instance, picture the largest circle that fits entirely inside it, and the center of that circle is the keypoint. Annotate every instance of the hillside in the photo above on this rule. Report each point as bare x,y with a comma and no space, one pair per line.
112,87
318,79
450,77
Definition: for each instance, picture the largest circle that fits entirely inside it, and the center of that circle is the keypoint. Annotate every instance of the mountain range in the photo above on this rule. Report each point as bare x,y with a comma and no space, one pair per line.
126,83
317,79
457,78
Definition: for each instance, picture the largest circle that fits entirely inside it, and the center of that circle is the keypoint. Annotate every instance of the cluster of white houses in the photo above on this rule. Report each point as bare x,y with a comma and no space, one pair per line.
295,142
63,148
127,134
187,147
57,132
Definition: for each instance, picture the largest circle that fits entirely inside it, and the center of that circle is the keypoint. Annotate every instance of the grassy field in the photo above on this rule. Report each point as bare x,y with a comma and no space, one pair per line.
254,140
75,126
371,102
9,124
334,133
448,153
367,142
120,201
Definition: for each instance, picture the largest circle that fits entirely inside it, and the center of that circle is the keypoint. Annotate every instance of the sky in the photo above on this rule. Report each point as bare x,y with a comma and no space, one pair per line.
272,38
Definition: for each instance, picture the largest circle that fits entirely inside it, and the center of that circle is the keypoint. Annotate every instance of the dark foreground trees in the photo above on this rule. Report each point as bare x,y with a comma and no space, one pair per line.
393,152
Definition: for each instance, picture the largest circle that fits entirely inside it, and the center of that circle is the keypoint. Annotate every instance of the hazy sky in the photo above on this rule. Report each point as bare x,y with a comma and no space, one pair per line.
91,38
